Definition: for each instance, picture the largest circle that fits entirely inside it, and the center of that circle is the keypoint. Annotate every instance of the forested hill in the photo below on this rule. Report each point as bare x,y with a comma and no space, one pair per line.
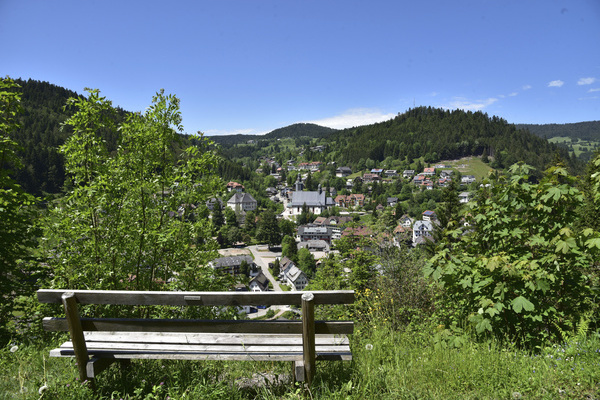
292,131
40,134
580,130
438,134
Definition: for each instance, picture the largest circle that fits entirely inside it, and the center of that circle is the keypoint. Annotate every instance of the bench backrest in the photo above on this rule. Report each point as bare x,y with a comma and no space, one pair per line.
115,297
126,297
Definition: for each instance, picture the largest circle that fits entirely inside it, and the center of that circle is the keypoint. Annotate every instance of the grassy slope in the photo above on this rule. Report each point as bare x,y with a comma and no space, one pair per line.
386,365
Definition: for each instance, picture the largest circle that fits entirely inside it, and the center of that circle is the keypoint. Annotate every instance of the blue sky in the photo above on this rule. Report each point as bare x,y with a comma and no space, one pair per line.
251,66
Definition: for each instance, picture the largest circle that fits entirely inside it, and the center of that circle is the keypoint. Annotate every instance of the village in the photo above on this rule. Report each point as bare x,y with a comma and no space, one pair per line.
333,216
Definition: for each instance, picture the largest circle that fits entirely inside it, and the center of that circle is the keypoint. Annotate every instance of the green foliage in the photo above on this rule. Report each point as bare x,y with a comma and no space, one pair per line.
523,267
129,220
306,262
289,248
267,229
17,230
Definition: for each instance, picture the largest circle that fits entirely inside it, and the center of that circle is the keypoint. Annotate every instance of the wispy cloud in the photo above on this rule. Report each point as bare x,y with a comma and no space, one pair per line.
353,117
586,81
513,94
594,90
589,98
526,87
556,83
469,105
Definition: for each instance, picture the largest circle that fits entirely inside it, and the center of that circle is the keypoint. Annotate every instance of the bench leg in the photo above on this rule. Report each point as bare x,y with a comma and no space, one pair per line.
299,371
97,365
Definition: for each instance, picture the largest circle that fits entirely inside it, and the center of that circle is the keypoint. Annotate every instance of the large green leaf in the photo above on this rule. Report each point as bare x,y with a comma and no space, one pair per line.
521,303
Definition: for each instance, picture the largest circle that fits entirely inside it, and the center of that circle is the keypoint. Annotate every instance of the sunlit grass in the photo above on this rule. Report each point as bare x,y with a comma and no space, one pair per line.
386,365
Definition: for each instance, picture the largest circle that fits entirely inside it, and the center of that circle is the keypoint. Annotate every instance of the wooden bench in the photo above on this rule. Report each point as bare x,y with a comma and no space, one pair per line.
98,342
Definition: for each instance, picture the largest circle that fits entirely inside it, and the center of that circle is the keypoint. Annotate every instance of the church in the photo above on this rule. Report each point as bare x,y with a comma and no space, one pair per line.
316,202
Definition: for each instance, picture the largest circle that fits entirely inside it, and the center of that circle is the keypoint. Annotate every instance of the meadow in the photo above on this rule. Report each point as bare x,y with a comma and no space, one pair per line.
387,364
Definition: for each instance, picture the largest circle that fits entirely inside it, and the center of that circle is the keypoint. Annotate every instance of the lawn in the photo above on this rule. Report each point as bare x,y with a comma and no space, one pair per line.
387,365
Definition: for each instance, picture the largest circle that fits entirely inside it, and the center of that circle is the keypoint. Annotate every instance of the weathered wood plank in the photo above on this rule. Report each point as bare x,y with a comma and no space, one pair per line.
76,331
299,371
308,336
170,348
241,356
209,326
210,338
96,365
195,298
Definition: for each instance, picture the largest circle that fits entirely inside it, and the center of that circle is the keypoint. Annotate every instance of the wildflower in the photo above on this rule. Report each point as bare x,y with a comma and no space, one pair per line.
369,346
162,383
14,349
516,395
42,389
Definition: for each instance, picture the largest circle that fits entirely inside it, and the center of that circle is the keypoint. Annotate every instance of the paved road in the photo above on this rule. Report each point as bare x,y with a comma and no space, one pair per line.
259,252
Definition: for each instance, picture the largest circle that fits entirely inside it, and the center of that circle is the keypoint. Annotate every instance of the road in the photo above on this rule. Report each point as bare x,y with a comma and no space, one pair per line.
262,258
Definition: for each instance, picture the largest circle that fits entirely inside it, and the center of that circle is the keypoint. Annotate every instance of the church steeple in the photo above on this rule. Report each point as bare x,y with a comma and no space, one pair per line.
299,184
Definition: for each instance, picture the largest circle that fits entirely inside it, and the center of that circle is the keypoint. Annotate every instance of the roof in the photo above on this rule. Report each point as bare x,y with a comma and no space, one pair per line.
429,213
314,244
261,280
231,261
312,199
314,230
358,231
285,263
233,184
401,229
320,220
423,226
294,273
238,198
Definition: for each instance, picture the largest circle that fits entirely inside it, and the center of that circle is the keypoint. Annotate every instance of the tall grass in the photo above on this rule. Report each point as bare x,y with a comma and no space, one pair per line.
386,365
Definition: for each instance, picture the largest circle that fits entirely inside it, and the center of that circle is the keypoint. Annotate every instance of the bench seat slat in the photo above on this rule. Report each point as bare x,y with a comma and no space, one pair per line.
209,357
209,338
233,352
124,347
212,326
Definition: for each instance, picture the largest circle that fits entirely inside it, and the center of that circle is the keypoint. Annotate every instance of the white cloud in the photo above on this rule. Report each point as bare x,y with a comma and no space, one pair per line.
353,117
464,104
586,81
594,90
556,83
526,87
513,94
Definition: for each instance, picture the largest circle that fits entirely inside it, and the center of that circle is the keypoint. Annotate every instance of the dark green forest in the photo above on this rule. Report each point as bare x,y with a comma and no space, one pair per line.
580,130
438,134
294,131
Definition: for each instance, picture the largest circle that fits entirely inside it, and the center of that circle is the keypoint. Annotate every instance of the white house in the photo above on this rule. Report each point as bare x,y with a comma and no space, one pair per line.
422,230
464,197
467,179
291,275
259,283
295,278
242,201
